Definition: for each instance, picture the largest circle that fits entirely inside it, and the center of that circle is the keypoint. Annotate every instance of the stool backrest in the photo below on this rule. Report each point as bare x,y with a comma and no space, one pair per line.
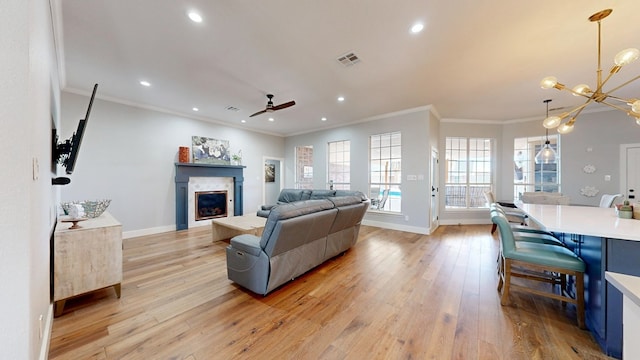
507,241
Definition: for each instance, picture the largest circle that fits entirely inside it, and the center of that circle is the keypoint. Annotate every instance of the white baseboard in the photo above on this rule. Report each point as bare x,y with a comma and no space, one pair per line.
465,222
46,335
149,231
391,226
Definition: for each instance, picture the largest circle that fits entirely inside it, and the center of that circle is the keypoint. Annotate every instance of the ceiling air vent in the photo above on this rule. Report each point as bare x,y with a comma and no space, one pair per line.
232,108
348,59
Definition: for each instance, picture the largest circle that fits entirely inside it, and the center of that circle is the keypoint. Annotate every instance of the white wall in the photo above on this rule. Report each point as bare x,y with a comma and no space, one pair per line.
28,80
416,152
128,155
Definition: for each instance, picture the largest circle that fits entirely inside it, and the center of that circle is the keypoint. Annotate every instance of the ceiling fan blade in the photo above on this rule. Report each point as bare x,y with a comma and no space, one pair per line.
284,106
258,113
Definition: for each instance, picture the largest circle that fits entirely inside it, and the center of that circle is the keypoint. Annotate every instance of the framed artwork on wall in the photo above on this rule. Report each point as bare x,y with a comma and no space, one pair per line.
269,173
210,151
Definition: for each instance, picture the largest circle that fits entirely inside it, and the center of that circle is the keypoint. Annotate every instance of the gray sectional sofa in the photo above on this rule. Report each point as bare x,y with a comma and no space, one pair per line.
291,195
297,237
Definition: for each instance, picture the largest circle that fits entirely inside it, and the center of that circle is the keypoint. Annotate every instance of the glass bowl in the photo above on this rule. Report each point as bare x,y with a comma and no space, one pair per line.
89,209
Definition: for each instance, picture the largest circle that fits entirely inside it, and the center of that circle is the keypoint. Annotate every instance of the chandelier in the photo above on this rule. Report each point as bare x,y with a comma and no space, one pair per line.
598,95
546,155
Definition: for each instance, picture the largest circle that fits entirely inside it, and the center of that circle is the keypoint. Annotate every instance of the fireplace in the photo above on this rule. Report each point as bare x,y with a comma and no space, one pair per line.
185,200
210,204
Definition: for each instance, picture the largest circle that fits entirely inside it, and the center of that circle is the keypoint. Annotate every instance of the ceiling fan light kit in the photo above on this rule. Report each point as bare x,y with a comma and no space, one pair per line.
623,58
271,108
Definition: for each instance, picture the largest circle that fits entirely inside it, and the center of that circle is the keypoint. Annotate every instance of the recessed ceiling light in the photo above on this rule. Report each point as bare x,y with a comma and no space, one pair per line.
417,27
196,109
243,121
195,17
145,83
341,98
271,119
324,119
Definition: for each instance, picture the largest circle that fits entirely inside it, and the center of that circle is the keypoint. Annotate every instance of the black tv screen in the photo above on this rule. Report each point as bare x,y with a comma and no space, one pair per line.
76,140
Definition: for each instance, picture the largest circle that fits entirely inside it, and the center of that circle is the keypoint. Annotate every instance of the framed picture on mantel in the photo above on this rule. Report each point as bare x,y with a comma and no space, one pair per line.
210,151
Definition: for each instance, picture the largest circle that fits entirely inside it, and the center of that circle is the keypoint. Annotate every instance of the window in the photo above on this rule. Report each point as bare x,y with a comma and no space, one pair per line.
468,172
339,164
385,171
304,167
529,176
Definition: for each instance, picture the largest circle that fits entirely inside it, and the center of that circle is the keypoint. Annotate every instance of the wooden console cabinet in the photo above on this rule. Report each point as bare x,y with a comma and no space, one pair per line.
86,259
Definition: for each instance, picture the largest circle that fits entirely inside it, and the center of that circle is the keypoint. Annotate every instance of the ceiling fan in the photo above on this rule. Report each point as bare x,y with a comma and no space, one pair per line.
271,108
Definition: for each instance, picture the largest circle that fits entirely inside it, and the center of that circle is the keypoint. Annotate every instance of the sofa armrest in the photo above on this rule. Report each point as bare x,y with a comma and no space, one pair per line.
247,243
263,213
267,207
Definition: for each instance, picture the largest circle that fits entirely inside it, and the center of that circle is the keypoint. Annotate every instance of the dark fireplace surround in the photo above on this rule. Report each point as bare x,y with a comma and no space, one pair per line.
186,170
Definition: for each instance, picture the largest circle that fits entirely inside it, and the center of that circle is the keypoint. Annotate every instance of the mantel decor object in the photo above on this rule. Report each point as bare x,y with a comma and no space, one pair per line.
183,154
236,159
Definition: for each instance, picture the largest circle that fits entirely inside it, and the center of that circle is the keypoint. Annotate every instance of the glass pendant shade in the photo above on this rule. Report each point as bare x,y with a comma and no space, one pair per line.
546,155
581,89
551,122
548,82
635,106
626,56
565,128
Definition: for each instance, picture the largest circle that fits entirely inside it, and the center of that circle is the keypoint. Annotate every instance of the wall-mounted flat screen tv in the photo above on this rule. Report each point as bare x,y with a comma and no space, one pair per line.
66,153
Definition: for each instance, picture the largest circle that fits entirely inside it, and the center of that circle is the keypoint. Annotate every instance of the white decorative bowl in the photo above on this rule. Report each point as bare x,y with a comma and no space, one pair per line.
88,209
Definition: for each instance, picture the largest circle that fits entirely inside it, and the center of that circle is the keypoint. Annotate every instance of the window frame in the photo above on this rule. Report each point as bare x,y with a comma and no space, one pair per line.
385,162
304,167
530,146
470,192
339,164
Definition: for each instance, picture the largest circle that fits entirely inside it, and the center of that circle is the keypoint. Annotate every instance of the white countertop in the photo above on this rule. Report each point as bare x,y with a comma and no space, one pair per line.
583,220
627,284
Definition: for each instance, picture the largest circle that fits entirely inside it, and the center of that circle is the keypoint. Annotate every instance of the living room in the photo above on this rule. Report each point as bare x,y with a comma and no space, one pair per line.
129,152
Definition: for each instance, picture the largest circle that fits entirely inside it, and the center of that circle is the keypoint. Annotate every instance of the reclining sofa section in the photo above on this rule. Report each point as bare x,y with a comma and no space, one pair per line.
292,195
297,237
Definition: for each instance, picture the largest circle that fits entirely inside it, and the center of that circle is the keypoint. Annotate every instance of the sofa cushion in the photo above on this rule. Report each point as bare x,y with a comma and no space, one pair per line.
294,209
357,193
322,194
344,200
306,194
290,195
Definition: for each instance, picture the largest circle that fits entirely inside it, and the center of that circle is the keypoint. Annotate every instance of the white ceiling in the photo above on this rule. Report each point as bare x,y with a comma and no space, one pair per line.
477,60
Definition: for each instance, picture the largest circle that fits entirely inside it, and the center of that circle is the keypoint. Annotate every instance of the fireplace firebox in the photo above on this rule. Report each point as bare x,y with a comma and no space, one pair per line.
210,204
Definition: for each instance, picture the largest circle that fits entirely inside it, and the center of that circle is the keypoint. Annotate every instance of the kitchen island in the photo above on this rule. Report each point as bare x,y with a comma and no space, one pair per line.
606,243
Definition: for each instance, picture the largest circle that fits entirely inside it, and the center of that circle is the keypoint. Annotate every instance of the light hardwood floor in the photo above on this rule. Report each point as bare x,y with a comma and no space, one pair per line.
395,295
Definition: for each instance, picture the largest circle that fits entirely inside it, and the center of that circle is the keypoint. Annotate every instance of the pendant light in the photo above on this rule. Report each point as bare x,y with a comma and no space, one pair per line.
546,155
629,106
